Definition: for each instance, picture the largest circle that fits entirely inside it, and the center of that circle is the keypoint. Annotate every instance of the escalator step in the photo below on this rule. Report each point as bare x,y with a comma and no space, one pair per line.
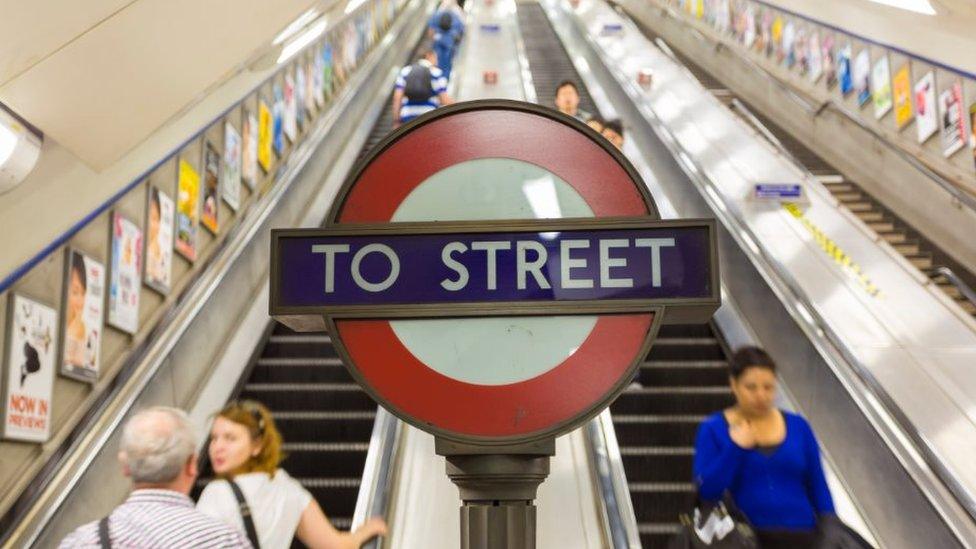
327,429
299,348
655,434
688,403
303,372
685,352
282,399
660,373
657,468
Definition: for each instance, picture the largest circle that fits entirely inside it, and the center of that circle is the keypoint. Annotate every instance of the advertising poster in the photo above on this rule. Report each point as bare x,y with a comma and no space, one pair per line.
211,188
326,71
277,115
290,123
765,44
29,374
187,210
901,86
862,73
776,44
829,60
231,183
84,302
264,136
249,149
318,74
800,50
749,32
310,92
972,130
815,57
125,269
159,241
844,77
953,119
300,95
881,87
926,117
785,53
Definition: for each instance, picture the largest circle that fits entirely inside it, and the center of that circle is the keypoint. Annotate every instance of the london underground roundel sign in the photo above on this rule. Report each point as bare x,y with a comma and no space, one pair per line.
494,272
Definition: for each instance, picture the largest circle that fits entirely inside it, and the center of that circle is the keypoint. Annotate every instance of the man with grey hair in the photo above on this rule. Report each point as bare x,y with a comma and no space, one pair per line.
158,452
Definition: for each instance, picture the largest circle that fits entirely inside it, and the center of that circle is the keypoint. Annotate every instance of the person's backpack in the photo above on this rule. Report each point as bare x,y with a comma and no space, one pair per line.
445,22
417,86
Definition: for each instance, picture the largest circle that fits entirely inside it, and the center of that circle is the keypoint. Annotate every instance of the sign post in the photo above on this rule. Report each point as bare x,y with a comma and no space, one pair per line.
493,273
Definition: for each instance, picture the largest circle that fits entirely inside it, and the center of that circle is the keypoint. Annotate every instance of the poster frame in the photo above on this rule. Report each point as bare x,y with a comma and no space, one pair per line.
208,146
151,284
110,271
62,368
6,364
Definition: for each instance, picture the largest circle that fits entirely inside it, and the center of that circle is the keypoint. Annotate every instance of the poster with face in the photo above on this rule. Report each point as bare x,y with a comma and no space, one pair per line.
159,240
211,188
125,269
829,63
953,119
29,375
278,114
231,176
81,330
815,57
862,73
881,87
926,118
291,107
265,130
249,149
187,210
901,86
844,70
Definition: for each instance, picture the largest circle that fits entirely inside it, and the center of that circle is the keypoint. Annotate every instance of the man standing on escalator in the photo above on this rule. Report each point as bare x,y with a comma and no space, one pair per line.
420,88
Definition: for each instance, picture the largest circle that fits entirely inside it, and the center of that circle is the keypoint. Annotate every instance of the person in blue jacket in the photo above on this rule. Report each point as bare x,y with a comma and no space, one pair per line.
767,459
446,28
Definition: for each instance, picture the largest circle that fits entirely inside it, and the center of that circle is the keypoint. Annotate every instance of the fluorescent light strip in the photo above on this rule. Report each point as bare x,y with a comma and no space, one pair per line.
8,141
917,6
295,26
302,40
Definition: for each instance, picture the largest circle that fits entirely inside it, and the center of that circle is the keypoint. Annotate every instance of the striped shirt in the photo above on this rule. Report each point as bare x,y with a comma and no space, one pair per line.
412,109
158,519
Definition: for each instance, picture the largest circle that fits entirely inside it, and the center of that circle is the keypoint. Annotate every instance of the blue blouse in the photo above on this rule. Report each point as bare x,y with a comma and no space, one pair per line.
784,490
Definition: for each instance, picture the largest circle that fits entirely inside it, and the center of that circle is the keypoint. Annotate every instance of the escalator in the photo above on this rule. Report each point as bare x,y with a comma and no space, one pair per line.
324,416
684,377
683,380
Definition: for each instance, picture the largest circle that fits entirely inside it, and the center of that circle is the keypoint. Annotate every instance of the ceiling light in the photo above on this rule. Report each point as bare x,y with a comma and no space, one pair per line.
295,26
302,40
19,150
917,6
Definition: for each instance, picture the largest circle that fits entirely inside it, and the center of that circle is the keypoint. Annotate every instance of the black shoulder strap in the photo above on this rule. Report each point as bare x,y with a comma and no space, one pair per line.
103,538
252,533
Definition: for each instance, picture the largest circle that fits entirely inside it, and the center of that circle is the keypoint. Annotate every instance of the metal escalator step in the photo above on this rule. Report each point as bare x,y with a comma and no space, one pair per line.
290,387
657,467
325,446
859,207
300,374
657,451
679,390
659,527
648,418
318,338
311,400
314,415
697,364
327,430
684,403
293,349
642,487
292,361
664,376
655,434
686,341
661,505
703,352
870,216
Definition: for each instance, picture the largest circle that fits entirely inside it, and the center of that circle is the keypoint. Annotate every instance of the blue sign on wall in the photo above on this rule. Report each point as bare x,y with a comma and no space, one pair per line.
546,262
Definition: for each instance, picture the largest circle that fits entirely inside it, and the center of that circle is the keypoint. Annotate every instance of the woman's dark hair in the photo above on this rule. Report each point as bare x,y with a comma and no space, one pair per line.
78,266
597,119
615,126
154,199
565,83
749,357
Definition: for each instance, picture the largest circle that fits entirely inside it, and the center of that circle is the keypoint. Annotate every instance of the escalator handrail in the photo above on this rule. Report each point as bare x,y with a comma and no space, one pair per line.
613,496
963,195
376,488
958,282
56,482
827,341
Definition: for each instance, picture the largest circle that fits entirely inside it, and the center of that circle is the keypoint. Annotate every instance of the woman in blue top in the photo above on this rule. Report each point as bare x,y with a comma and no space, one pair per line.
767,459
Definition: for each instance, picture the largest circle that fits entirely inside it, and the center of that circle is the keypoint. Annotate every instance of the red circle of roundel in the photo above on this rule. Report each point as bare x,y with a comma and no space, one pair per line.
516,411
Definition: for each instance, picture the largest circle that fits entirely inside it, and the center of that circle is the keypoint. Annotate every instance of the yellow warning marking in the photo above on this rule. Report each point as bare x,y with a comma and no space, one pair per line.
836,253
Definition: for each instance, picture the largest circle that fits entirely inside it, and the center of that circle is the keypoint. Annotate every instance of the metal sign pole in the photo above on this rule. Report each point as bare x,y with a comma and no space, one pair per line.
498,485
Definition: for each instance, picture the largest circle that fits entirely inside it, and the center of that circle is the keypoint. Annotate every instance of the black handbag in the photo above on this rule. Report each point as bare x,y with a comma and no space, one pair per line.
719,525
834,534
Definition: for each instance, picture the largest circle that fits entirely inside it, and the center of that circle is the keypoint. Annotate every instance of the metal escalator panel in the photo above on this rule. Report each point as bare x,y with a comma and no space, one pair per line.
548,60
684,379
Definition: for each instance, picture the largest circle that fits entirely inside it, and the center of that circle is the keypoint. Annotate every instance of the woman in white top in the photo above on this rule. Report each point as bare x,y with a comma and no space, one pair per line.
245,447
